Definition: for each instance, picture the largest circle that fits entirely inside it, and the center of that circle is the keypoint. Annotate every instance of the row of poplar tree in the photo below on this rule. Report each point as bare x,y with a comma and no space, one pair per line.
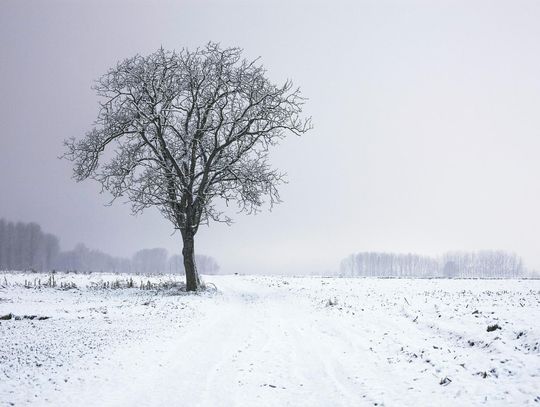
481,264
24,246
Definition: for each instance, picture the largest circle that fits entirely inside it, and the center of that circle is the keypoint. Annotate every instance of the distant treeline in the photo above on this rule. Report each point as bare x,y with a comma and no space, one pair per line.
24,246
481,264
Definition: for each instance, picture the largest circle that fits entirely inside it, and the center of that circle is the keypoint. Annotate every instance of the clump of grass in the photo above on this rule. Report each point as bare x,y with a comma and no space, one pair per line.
493,327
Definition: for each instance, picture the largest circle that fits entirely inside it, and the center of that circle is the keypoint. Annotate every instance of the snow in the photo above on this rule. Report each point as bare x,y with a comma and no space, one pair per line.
271,341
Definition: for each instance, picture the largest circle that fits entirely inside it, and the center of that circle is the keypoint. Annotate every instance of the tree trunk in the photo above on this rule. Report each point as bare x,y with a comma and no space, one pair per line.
193,283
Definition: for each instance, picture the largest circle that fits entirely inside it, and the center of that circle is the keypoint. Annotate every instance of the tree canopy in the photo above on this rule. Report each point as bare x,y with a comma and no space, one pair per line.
176,130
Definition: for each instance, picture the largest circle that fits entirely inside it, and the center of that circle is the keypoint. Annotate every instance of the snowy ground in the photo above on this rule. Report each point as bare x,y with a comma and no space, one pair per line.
270,341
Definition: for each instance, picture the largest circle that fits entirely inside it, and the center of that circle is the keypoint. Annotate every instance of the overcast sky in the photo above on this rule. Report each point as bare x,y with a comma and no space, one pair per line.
426,124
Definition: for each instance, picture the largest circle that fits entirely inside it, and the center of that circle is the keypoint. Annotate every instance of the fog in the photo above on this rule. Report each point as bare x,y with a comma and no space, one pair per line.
425,114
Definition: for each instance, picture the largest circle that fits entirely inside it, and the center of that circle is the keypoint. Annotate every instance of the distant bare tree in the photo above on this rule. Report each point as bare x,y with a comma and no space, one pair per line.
150,261
207,264
176,130
24,246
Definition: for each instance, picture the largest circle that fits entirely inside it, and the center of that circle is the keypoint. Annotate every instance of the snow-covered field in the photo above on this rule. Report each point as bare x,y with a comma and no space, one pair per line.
269,341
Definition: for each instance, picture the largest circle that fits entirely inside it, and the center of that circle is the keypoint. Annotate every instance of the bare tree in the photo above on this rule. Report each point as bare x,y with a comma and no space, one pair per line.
183,128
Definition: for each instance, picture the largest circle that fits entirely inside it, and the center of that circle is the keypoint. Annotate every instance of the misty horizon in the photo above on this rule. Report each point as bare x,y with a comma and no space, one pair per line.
25,246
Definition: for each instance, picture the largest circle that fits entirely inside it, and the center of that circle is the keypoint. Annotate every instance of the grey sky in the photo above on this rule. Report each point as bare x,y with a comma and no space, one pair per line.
426,115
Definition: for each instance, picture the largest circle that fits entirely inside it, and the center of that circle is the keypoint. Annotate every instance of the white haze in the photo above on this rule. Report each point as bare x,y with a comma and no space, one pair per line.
426,115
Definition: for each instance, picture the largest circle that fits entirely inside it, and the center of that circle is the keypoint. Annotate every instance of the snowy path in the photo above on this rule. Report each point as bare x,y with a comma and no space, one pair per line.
255,346
274,342
259,349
